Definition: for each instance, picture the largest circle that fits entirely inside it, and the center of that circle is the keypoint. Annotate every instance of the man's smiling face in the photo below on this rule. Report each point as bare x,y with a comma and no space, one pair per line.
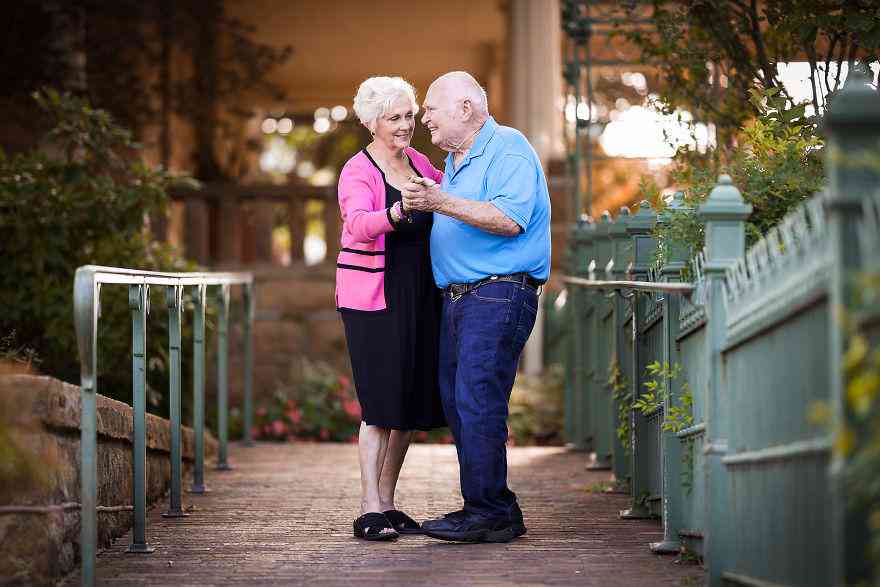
440,117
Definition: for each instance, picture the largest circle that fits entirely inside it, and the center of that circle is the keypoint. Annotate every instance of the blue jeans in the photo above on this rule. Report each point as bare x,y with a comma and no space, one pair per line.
482,334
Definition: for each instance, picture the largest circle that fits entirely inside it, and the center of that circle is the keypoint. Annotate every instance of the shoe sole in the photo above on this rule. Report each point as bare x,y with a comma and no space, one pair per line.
478,536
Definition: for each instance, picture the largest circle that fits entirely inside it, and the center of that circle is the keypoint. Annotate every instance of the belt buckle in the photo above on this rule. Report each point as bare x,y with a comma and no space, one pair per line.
456,290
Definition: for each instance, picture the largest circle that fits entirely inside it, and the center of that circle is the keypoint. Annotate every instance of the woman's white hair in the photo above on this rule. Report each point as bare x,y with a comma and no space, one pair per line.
376,95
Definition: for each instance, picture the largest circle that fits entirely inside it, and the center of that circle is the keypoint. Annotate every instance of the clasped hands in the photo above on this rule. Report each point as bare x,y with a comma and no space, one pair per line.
421,193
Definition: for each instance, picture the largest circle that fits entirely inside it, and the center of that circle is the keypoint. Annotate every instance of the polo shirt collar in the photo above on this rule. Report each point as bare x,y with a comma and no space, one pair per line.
483,137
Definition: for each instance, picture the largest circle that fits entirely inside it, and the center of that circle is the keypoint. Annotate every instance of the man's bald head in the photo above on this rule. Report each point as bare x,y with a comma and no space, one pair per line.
459,86
455,110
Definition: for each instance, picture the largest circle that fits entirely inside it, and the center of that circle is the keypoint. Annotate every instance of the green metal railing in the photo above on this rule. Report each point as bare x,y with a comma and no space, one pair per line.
749,482
86,293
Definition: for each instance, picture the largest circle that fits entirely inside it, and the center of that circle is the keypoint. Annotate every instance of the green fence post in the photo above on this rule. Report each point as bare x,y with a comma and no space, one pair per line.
567,351
249,303
639,228
621,253
581,336
853,150
587,317
222,376
724,214
674,262
174,301
600,411
199,301
86,295
139,302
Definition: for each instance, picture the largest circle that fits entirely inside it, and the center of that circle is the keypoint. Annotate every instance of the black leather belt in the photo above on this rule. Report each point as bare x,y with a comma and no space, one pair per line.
455,290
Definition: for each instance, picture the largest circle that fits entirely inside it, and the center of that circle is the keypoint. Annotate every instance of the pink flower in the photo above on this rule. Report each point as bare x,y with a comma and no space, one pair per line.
343,381
352,408
294,415
446,439
279,428
354,439
420,436
261,411
291,404
324,434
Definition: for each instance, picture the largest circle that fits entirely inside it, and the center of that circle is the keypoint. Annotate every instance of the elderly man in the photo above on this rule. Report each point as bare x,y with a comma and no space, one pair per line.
490,250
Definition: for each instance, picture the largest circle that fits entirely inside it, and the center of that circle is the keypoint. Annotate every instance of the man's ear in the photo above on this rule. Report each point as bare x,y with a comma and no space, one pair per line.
467,110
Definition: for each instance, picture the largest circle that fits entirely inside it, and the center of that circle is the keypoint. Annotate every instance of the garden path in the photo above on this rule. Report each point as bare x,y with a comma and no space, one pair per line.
283,516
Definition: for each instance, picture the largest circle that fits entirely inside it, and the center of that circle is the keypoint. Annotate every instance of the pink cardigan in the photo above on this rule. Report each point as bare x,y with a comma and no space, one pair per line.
360,267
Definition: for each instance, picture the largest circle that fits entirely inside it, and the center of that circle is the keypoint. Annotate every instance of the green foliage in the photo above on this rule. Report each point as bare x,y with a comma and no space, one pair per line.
710,54
776,167
81,200
859,441
318,403
536,408
620,392
678,413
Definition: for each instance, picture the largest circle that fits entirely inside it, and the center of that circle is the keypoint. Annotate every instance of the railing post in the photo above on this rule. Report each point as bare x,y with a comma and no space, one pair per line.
599,401
86,295
639,229
724,214
199,301
174,301
674,262
139,302
222,376
249,302
620,252
853,127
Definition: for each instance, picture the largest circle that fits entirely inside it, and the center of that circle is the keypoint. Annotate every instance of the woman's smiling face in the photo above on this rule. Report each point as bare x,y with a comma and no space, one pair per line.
395,128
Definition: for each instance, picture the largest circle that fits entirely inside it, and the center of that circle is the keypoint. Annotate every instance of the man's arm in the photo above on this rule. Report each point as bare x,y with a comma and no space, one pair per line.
483,215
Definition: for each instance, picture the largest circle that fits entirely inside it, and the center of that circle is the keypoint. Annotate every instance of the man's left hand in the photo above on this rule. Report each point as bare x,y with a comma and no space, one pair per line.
421,193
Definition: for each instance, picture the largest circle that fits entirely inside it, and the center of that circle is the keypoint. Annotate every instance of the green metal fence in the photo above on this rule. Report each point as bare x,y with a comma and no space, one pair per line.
86,292
725,452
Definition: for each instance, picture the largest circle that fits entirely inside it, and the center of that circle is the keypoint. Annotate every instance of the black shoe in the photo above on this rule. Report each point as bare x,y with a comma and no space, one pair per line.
403,523
447,522
474,529
373,526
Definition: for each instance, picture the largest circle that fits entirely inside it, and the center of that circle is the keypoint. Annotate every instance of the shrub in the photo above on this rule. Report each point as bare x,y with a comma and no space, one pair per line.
82,199
536,412
776,166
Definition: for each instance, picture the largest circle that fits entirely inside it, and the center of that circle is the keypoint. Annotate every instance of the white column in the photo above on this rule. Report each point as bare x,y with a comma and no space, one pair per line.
535,101
535,39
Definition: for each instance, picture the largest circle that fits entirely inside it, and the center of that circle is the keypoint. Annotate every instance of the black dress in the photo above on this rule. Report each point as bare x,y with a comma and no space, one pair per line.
394,353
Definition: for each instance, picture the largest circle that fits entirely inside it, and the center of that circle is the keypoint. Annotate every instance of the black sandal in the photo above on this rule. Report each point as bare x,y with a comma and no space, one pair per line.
370,526
403,523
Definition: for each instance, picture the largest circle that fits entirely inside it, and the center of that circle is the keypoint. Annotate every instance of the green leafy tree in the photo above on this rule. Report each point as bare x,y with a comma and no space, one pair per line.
712,53
81,200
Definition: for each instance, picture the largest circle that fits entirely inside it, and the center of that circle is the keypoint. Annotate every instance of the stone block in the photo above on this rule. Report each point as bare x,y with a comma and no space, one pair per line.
39,474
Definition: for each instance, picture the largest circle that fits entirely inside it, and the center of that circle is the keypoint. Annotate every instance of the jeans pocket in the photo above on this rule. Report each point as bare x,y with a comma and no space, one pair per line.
495,291
527,315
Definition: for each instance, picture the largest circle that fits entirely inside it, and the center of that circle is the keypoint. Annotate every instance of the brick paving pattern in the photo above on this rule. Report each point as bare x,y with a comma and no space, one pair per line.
283,516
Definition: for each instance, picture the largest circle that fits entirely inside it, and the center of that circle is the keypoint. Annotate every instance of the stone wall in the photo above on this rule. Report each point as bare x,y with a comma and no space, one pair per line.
40,481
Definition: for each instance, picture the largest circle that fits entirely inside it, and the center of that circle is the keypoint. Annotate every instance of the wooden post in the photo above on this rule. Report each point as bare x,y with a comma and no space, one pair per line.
724,214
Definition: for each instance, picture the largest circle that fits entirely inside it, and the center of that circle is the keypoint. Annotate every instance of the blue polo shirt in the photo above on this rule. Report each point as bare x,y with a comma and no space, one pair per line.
503,168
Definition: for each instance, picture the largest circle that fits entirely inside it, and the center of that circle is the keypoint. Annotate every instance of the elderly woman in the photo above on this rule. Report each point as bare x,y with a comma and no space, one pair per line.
389,304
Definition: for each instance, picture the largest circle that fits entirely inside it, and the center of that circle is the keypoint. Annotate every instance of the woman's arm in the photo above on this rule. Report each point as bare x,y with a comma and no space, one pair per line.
356,202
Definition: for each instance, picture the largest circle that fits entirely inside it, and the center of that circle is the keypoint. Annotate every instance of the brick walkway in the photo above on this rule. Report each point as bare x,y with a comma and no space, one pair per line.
283,516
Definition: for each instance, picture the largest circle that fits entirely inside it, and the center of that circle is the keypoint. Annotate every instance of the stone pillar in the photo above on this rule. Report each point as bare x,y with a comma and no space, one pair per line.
534,104
264,222
535,36
197,232
296,225
229,232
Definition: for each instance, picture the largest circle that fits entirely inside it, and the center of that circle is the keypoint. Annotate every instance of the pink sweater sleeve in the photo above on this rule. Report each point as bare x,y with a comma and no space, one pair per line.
424,165
356,202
